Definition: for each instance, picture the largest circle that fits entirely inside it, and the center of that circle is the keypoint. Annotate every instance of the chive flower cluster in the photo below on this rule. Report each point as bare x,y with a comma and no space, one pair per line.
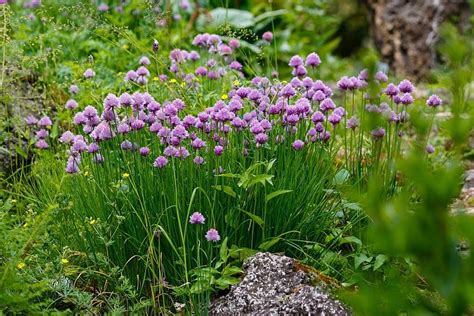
264,112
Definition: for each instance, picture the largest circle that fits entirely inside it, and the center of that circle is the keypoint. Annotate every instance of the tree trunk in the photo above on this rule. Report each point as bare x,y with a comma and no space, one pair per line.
405,31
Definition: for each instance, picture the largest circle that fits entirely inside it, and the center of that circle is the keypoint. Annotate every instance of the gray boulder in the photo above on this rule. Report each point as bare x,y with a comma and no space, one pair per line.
276,285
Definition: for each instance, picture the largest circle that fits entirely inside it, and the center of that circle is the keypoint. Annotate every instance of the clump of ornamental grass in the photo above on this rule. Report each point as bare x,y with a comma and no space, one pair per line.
162,173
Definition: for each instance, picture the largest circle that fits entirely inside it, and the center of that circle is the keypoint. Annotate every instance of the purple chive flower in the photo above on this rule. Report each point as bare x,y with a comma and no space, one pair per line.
434,101
89,73
31,120
381,76
131,75
353,123
71,104
267,36
42,133
79,145
160,162
430,149
144,61
197,218
74,89
45,121
41,144
363,75
182,153
79,119
378,133
340,111
201,71
170,151
225,50
66,138
318,117
198,160
143,71
144,151
234,43
299,71
334,119
235,65
72,165
312,60
218,150
345,83
407,99
391,90
319,127
287,91
405,86
261,138
111,101
327,105
213,235
295,61
126,145
318,96
198,143
103,7
93,148
123,128
298,144
137,124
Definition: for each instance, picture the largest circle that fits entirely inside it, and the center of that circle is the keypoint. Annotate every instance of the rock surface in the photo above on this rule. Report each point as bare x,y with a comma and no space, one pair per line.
273,285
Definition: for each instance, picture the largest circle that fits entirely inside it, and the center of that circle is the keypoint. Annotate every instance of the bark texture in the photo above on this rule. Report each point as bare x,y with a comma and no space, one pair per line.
405,31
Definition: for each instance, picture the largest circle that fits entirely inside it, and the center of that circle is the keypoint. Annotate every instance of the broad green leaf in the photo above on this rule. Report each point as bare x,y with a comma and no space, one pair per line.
350,239
20,151
221,16
358,260
54,130
379,261
223,251
268,244
226,281
231,270
200,286
274,194
241,253
341,177
226,189
352,206
270,164
257,219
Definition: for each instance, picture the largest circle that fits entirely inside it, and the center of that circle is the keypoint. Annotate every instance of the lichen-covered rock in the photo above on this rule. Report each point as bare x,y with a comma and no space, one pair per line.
273,285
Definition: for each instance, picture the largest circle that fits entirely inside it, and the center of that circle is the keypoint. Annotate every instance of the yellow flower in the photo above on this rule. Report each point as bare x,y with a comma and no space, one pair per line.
21,265
224,97
86,173
92,222
182,84
125,46
284,82
64,261
236,83
125,175
155,79
173,80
